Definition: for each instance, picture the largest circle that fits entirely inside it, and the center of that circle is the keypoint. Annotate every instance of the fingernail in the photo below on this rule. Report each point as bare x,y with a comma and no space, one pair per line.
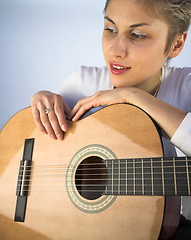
53,136
59,136
74,119
64,128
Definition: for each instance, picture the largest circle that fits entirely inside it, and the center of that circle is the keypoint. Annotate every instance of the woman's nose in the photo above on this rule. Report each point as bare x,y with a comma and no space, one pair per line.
119,47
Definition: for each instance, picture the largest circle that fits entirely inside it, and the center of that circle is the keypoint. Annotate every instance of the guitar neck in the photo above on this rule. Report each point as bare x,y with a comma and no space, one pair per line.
149,176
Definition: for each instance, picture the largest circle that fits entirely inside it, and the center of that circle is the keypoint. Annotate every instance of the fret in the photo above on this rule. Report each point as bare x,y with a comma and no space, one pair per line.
187,173
129,178
123,177
113,181
157,176
119,174
147,176
115,177
126,174
162,176
152,176
181,176
138,177
169,177
134,176
143,190
175,186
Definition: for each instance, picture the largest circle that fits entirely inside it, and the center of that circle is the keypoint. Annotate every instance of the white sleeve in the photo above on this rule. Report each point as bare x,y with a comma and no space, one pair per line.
182,137
84,82
69,89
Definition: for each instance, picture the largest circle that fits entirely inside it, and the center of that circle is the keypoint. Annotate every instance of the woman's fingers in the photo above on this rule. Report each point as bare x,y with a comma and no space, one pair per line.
61,110
82,106
37,120
49,112
53,127
100,98
80,110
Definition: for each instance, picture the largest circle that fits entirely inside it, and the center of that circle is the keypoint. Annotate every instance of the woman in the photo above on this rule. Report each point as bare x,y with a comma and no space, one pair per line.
139,39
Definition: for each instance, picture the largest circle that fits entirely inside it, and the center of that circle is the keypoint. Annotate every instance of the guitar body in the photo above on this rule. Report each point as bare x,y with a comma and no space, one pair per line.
56,211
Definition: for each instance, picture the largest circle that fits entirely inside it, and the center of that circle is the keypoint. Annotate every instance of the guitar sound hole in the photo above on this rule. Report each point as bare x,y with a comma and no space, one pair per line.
91,178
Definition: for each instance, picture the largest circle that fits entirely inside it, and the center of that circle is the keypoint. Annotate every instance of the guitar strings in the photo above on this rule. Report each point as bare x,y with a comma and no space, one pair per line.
105,174
123,172
35,170
108,180
118,160
91,169
98,179
62,169
58,185
103,164
101,184
128,180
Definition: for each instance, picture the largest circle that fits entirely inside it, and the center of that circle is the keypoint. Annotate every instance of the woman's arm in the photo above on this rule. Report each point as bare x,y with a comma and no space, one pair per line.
166,116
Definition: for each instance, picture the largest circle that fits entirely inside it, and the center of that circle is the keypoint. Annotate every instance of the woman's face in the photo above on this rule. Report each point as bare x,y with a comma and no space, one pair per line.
133,45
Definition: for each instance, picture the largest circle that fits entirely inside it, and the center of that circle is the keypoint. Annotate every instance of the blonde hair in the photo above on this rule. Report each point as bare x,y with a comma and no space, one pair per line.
176,13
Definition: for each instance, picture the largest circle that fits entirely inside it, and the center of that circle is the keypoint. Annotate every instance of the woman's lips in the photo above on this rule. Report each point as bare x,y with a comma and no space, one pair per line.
118,69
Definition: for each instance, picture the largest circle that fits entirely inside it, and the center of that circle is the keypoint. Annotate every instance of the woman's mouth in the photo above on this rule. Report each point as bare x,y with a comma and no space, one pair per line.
117,69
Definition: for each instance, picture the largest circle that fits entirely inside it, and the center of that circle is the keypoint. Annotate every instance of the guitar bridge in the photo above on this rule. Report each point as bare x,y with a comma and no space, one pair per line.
24,180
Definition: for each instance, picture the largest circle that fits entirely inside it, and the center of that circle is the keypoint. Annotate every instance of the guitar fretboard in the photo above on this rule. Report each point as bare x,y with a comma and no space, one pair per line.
149,176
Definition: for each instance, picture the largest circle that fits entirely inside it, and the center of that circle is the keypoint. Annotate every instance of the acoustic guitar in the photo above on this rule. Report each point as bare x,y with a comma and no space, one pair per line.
107,179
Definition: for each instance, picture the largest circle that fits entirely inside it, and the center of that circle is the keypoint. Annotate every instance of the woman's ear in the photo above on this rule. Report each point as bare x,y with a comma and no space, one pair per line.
178,45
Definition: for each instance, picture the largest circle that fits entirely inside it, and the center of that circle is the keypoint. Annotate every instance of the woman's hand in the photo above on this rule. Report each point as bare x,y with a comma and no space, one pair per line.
106,97
49,111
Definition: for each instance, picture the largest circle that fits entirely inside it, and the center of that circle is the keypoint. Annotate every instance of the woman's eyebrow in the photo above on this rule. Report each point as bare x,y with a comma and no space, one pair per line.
108,19
132,26
139,25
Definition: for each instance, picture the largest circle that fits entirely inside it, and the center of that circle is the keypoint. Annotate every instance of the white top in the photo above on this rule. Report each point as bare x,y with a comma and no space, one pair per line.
175,89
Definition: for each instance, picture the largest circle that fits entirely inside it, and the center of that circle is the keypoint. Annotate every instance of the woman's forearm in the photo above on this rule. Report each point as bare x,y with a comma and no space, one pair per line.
166,116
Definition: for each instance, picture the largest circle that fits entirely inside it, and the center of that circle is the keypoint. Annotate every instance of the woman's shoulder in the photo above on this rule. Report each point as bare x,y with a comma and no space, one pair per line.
86,75
96,78
177,72
176,87
93,70
99,75
177,78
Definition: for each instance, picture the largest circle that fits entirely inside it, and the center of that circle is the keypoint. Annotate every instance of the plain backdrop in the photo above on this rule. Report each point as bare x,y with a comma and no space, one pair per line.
43,41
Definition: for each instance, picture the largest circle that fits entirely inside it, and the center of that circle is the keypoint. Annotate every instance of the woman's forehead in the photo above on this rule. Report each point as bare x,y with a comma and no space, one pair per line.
130,10
147,6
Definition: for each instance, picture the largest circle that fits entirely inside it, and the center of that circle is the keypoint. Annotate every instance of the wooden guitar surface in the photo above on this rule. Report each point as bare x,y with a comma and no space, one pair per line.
56,211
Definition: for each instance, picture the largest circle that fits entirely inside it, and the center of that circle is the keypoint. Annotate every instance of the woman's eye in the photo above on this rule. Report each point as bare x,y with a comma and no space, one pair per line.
138,36
110,29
